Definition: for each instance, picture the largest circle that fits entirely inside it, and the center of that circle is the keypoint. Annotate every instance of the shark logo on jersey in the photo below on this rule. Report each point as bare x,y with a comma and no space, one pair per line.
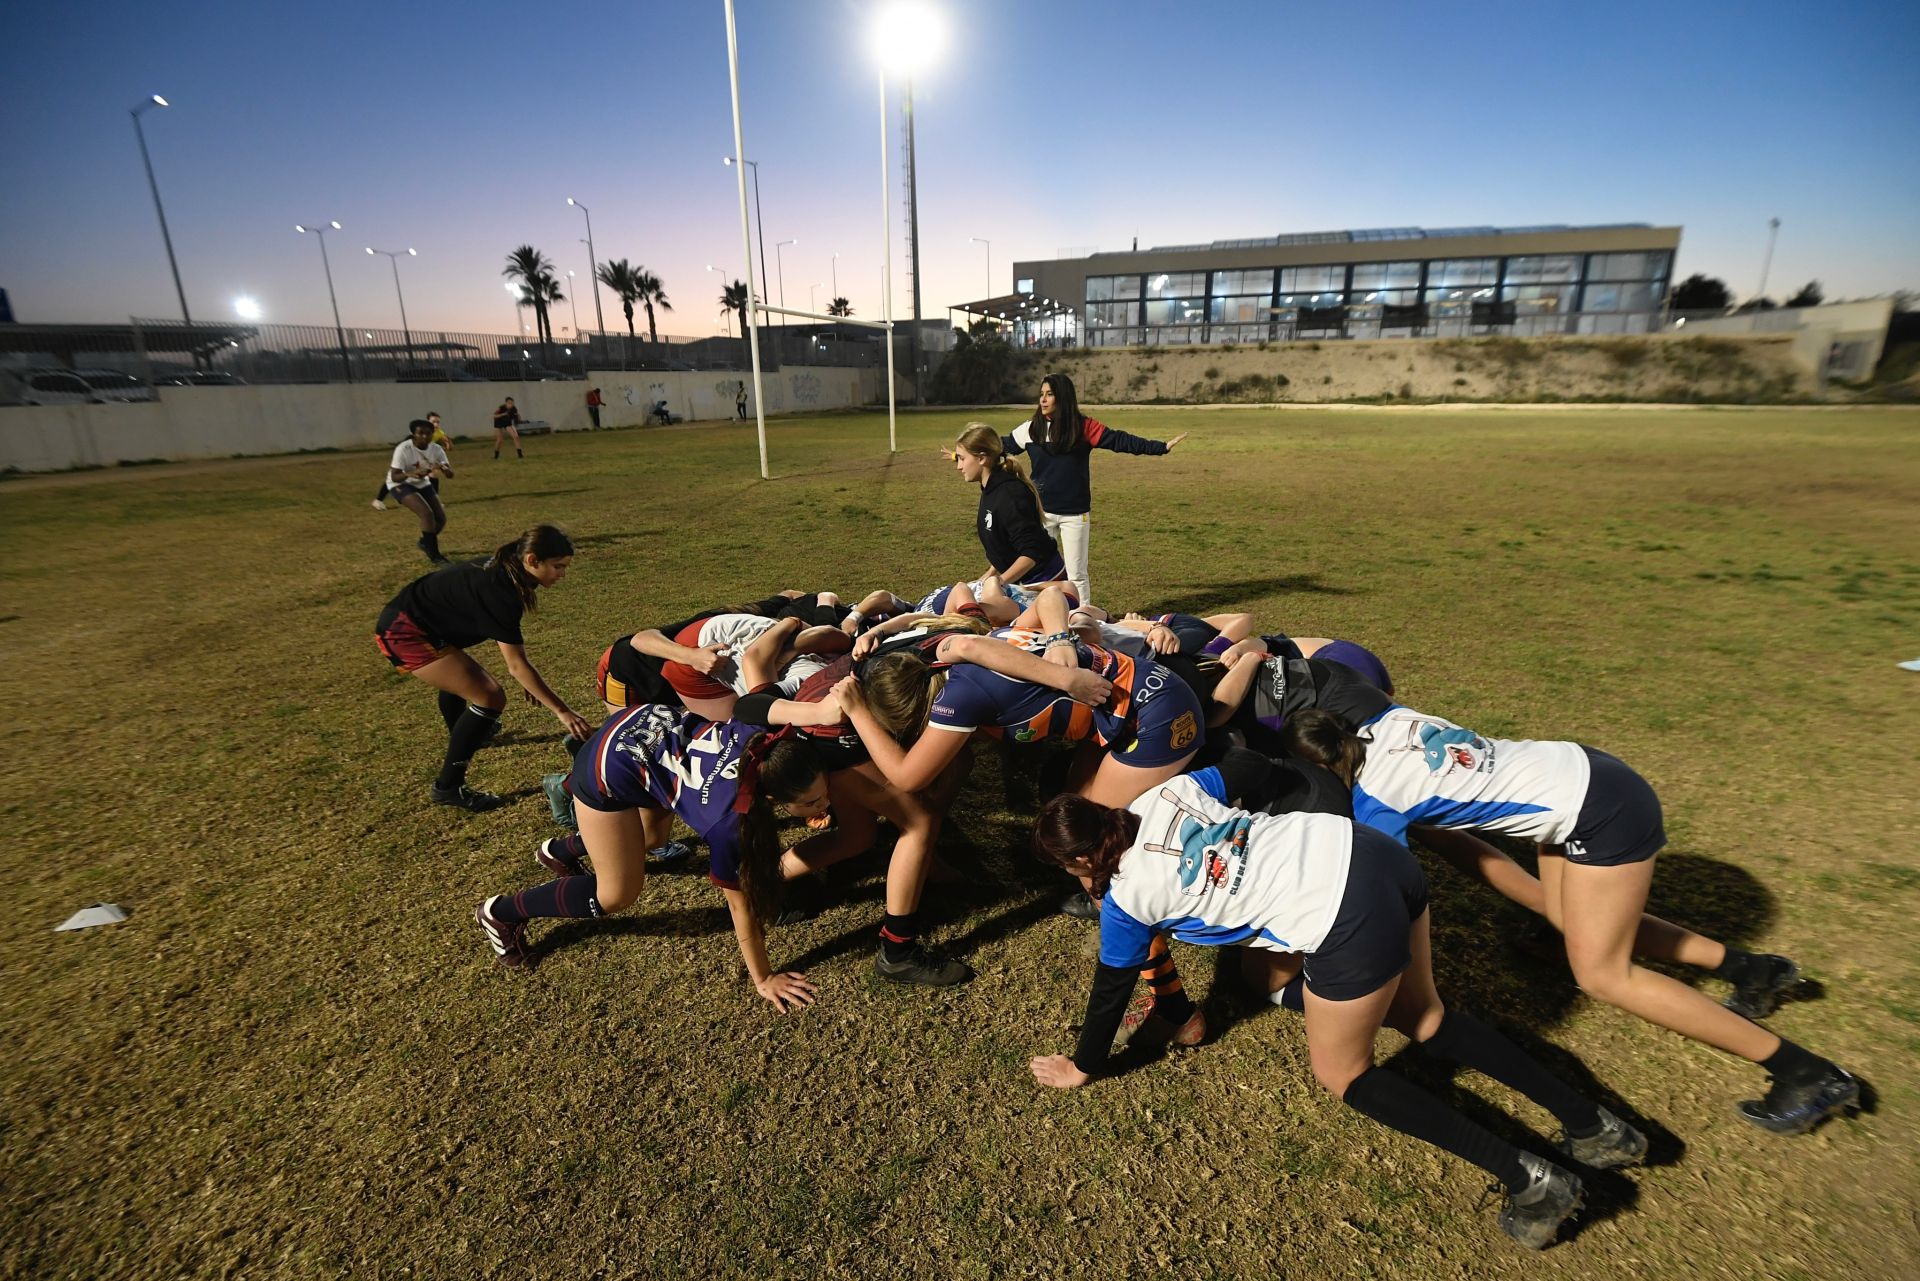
1208,852
1445,747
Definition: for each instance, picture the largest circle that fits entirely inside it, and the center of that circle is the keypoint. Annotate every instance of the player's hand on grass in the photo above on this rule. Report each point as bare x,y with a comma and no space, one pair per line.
787,991
1088,687
1056,1071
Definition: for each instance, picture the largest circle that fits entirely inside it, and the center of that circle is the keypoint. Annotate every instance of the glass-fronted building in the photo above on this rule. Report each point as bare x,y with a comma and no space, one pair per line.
1404,282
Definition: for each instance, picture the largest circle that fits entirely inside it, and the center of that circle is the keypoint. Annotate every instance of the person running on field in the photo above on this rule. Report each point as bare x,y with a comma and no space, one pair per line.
427,628
441,439
416,465
506,423
1059,439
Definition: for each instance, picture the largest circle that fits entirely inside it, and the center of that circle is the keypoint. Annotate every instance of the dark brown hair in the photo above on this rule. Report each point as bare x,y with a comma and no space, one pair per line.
1318,736
1062,433
542,542
787,771
1072,827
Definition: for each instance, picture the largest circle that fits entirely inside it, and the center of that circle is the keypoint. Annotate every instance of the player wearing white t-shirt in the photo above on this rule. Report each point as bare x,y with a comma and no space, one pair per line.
1353,906
410,474
1597,825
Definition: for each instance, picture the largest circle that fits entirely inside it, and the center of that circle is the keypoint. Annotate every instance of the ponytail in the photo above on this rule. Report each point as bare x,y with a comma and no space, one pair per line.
901,689
1319,737
780,769
1072,828
983,441
542,542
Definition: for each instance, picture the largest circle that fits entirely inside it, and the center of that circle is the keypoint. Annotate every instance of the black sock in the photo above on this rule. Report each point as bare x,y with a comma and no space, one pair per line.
451,705
1792,1065
1397,1102
519,453
897,934
430,544
568,896
1464,1039
475,726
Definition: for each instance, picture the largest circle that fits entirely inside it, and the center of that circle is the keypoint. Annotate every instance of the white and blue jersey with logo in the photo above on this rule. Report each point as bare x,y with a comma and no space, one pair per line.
1425,769
668,758
1210,874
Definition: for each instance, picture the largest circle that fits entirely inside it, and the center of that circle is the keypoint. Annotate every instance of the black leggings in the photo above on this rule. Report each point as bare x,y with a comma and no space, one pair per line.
425,504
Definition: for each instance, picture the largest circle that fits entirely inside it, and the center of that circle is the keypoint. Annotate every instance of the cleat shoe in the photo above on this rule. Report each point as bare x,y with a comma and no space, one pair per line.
508,939
556,862
1616,1145
672,854
1533,1215
379,505
1146,1029
1795,1109
1759,997
923,967
1080,906
802,899
464,797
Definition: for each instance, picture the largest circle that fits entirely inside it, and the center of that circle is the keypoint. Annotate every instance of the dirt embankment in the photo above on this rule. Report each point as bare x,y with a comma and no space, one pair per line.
1741,371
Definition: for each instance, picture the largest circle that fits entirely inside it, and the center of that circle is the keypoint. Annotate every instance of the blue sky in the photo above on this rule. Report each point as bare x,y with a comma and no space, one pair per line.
461,130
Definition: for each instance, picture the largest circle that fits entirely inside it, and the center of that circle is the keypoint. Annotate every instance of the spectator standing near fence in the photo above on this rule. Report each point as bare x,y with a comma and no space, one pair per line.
506,422
740,401
594,401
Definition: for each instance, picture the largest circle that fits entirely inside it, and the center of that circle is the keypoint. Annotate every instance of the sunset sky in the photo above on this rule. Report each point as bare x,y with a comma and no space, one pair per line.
460,130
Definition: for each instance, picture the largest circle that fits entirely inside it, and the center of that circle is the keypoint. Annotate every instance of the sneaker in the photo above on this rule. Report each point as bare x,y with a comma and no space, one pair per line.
508,939
672,854
1080,906
379,505
1795,1109
558,863
1760,996
466,798
1145,1028
922,966
1616,1145
1533,1215
559,802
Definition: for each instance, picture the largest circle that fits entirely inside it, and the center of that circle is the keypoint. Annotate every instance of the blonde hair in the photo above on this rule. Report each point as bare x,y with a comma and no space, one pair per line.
979,439
901,689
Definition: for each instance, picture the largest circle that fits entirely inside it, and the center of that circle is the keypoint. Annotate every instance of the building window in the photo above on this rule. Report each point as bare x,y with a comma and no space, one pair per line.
1643,266
1231,284
1540,300
1313,280
1110,288
1457,273
1112,315
1371,276
1177,284
1023,286
1549,269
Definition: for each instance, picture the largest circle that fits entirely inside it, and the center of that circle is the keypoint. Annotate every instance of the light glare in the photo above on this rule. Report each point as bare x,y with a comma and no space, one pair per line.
907,35
246,308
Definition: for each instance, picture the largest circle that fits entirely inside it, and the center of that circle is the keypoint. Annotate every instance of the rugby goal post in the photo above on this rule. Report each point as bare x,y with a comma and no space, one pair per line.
758,306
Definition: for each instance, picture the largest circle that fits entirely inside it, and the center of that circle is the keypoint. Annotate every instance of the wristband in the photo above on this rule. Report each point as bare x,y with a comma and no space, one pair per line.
1058,638
856,618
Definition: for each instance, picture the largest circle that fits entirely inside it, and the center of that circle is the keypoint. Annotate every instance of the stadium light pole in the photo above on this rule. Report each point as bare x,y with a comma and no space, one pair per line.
982,240
572,307
393,259
759,223
813,295
593,265
907,36
321,229
1766,263
835,268
166,237
781,267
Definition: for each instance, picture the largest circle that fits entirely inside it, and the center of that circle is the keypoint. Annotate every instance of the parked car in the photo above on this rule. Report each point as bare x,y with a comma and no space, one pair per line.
435,376
76,387
201,379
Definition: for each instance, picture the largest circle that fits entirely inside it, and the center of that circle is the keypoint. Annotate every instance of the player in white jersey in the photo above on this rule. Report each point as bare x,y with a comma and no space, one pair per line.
1344,904
416,463
1597,825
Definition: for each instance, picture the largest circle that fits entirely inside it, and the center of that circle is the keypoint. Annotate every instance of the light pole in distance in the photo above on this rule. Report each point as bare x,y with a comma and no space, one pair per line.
166,237
593,264
393,260
760,226
321,229
982,240
907,37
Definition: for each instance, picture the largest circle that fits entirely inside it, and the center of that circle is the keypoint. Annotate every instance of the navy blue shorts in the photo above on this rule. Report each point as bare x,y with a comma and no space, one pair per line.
1360,659
1620,820
1367,947
1169,724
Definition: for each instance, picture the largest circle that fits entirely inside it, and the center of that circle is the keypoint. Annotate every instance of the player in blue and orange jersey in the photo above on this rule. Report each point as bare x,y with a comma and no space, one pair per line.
631,778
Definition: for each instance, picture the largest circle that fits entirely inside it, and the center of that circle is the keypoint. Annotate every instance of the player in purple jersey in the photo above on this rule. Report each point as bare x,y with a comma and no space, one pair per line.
1597,825
637,773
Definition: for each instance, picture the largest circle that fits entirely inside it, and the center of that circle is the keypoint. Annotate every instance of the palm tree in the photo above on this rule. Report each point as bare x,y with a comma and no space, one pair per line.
839,307
734,299
620,276
652,294
530,267
546,292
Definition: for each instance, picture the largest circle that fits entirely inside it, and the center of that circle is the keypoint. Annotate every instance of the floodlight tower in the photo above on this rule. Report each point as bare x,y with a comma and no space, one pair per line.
907,37
321,229
166,237
393,258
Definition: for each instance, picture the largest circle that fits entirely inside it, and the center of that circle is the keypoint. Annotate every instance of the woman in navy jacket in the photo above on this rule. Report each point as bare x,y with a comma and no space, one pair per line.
1058,440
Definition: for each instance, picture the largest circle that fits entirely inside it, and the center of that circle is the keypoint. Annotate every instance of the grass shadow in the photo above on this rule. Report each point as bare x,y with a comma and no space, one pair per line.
691,923
518,493
1220,596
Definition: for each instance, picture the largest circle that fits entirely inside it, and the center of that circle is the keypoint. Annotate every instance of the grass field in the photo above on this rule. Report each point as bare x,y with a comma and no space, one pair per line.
296,1058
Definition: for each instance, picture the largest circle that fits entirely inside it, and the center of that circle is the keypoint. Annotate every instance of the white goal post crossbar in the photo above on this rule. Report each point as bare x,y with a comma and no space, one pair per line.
758,307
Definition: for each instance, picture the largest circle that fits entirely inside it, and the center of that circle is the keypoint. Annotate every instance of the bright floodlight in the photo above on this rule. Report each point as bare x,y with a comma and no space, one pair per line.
572,201
370,249
246,308
158,101
907,35
335,225
512,288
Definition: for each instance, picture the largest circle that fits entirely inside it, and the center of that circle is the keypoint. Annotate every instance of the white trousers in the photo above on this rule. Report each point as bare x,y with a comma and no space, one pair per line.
1071,533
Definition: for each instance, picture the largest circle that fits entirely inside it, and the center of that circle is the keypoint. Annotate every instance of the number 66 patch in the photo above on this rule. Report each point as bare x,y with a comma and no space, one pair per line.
1183,730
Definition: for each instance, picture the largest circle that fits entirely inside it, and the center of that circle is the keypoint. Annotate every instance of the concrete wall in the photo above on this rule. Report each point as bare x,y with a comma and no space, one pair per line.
223,422
1837,340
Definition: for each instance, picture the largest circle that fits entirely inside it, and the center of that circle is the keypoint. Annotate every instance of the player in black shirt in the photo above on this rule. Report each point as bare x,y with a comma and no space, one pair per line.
426,630
1019,549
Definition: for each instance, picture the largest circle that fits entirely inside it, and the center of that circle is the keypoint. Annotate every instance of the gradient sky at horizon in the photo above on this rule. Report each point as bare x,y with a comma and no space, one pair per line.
1043,127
